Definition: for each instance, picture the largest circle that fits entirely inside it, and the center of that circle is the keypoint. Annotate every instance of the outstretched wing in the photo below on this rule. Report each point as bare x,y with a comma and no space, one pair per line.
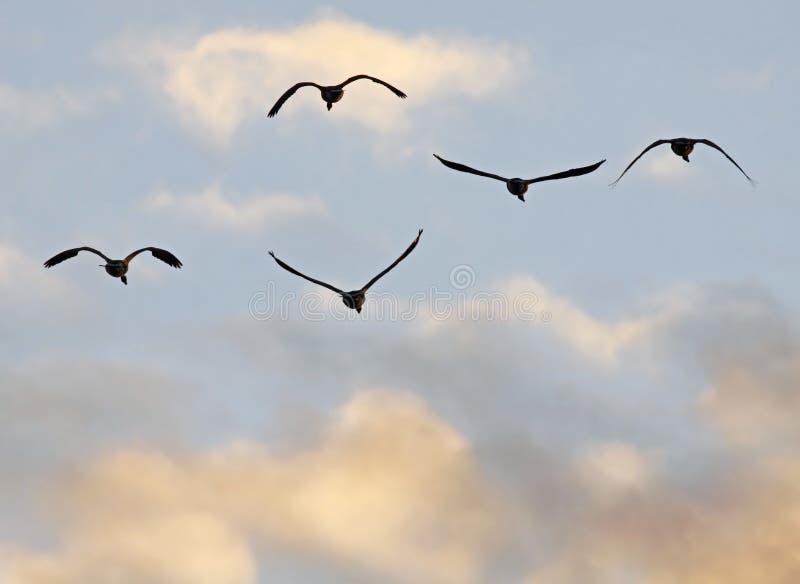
289,268
567,173
465,168
289,93
653,145
71,253
394,263
394,90
710,143
159,253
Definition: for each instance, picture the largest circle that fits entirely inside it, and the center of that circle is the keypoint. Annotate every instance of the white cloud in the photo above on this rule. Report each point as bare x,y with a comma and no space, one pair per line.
527,300
598,340
214,208
174,548
756,405
55,398
38,109
391,490
744,529
224,78
390,487
614,468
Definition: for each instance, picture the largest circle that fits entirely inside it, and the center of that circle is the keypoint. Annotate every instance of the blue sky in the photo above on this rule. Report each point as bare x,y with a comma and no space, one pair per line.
650,401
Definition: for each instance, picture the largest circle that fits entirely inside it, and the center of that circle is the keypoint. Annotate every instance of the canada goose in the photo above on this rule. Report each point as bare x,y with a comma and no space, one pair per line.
330,93
519,186
355,298
116,268
683,147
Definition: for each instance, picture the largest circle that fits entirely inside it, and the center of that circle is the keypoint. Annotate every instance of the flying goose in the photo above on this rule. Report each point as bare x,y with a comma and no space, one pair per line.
355,298
330,93
519,186
683,147
115,268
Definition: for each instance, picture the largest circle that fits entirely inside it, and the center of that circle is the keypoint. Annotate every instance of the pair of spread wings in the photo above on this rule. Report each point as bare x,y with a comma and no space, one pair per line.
693,141
558,175
291,91
366,286
161,254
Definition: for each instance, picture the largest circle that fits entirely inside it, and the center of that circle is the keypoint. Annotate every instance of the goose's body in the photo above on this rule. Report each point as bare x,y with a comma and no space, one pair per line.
683,147
330,93
353,299
116,268
519,186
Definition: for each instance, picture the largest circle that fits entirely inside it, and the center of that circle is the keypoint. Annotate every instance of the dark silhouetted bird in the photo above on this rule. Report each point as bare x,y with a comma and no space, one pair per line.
330,93
519,186
115,268
355,298
683,147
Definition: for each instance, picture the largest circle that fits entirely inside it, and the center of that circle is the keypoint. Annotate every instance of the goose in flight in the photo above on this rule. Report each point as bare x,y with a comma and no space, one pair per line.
355,298
683,147
330,93
519,186
116,268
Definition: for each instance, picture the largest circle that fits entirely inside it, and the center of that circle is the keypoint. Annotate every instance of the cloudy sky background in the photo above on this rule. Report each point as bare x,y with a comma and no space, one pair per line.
634,421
